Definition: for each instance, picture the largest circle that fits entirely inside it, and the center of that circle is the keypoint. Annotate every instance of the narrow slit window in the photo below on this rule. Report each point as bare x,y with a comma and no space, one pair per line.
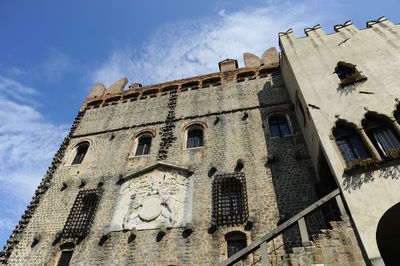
81,152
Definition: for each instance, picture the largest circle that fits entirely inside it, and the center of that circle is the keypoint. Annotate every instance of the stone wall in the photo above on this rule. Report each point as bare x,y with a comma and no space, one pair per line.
234,116
336,246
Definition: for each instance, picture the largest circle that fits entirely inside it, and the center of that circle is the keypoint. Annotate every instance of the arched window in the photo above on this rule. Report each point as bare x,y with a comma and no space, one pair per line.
144,144
279,126
235,241
67,251
382,134
350,143
194,137
81,151
348,74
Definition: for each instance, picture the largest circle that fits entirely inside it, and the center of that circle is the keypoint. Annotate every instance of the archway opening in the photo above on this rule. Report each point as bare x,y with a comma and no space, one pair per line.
388,236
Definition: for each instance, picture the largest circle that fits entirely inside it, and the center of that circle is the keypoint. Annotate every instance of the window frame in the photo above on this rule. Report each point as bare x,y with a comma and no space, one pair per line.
238,206
145,133
382,127
73,152
194,127
288,123
145,150
349,144
236,237
66,247
196,140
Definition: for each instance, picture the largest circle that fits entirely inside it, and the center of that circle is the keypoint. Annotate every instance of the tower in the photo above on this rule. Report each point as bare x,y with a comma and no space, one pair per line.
345,89
244,164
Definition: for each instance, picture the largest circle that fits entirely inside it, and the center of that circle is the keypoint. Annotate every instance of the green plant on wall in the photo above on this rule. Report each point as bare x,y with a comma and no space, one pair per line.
362,163
393,153
352,78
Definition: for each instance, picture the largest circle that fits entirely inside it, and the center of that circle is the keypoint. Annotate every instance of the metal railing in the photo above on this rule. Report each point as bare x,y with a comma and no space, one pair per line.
299,218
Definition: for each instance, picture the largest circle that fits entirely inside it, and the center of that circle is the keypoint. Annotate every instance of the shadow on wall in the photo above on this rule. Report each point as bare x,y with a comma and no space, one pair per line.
346,90
289,164
356,181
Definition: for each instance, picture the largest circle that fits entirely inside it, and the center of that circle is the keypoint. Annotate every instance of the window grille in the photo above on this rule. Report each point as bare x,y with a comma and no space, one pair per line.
82,213
230,199
81,152
143,147
195,138
278,125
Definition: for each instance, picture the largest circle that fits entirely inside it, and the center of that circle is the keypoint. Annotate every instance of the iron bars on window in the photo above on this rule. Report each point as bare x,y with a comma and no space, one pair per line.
82,213
230,199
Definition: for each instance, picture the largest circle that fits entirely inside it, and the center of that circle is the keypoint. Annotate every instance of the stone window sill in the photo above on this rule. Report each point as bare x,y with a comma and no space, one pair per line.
195,148
137,156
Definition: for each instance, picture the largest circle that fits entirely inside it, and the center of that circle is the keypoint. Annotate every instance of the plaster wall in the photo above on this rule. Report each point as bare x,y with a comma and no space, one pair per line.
307,67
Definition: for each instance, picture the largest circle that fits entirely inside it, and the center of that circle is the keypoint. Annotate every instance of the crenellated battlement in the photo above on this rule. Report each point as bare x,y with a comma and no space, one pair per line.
347,27
255,68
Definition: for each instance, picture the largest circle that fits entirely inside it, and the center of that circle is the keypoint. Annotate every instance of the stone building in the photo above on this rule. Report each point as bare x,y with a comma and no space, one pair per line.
226,165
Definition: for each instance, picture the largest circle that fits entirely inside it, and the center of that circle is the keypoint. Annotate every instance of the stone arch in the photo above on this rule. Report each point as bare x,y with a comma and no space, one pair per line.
349,143
275,113
382,132
194,123
82,147
226,233
376,115
80,141
388,235
144,133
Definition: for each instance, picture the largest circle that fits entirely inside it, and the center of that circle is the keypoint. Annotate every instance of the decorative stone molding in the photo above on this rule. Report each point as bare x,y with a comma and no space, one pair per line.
164,198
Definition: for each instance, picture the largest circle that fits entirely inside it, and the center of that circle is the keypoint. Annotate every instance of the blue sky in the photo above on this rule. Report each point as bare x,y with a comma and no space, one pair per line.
53,52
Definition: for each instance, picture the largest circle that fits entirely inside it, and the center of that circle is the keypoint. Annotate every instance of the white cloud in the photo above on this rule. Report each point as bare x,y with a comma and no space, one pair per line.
56,65
195,47
27,144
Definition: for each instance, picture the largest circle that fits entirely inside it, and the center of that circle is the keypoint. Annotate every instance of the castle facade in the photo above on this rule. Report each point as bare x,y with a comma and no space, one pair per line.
290,160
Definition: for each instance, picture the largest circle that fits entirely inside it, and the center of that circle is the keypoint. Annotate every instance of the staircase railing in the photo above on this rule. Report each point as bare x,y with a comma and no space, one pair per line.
299,218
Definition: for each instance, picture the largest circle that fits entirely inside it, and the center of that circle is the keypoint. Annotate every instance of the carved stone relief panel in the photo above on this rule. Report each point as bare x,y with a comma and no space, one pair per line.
162,196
